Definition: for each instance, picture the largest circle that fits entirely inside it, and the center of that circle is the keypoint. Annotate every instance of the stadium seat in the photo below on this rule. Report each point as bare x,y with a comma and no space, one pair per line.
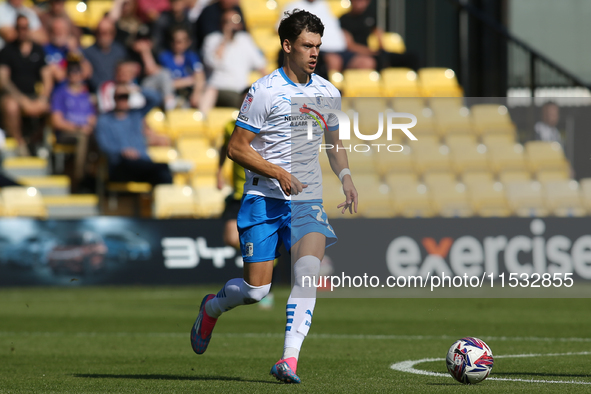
439,82
469,158
400,82
270,45
77,13
413,105
431,158
403,179
391,42
200,152
472,178
361,83
48,185
96,11
563,198
216,121
209,201
453,121
507,158
71,206
254,76
332,195
363,163
498,140
488,199
10,148
492,118
22,201
375,196
412,201
185,122
434,179
552,175
459,142
585,187
513,176
87,40
391,162
526,199
156,120
339,7
542,155
450,199
162,154
16,167
261,13
173,201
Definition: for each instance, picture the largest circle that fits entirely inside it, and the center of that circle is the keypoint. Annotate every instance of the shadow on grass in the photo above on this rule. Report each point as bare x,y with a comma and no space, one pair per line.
168,377
546,375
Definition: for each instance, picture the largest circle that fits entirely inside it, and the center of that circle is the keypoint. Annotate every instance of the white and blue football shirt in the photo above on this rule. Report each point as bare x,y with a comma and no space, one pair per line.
271,110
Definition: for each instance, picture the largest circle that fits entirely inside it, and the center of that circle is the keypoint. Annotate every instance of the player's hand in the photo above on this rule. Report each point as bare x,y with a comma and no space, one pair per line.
130,154
290,184
350,194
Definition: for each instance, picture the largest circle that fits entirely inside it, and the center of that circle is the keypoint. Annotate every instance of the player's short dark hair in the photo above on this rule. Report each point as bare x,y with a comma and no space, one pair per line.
297,21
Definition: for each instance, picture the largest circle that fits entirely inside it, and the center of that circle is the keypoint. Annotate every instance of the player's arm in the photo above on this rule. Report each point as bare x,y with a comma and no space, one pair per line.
340,166
240,151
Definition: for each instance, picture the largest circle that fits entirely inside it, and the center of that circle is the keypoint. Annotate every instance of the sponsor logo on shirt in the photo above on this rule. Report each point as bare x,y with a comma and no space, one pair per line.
242,117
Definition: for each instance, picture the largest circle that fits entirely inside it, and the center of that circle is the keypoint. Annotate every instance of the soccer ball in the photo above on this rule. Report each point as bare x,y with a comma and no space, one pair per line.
469,360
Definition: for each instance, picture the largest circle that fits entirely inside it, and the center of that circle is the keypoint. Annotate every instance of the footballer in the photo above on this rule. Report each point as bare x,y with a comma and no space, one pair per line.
282,201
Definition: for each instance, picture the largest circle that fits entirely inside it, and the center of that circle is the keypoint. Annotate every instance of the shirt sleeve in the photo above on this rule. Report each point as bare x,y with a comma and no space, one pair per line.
333,120
58,102
195,61
255,109
210,46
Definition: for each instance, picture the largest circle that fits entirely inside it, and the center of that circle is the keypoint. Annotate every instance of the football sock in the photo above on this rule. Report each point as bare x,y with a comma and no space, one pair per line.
300,305
235,292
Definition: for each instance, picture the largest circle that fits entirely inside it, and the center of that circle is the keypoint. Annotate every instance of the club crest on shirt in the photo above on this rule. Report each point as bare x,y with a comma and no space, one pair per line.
246,104
319,101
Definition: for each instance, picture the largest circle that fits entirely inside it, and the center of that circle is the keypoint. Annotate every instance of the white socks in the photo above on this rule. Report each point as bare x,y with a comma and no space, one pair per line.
300,305
235,292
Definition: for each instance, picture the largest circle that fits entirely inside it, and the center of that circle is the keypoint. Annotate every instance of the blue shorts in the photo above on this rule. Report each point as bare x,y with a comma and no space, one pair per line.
265,223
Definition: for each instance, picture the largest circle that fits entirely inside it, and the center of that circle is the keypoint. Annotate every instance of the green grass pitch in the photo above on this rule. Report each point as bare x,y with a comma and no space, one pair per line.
136,339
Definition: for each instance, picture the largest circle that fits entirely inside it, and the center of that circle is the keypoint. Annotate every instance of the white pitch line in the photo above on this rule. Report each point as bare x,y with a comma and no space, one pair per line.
280,335
408,366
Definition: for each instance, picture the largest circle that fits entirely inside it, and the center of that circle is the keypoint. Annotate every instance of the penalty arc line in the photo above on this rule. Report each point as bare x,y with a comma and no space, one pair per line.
408,366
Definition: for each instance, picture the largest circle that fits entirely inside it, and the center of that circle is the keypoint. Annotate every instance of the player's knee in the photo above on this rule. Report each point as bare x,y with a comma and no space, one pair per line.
306,267
253,294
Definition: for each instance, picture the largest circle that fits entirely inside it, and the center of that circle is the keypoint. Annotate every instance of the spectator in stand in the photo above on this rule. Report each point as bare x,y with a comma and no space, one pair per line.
185,67
104,54
22,66
9,11
334,45
125,74
230,54
58,10
152,75
150,10
177,17
127,23
61,44
546,129
209,19
73,116
120,137
358,25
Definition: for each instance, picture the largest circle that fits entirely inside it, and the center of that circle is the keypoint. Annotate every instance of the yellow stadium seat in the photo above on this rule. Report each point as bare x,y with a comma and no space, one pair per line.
527,199
459,142
16,167
439,82
472,178
451,200
48,185
162,154
413,105
362,163
498,140
412,201
185,122
332,195
270,45
392,162
173,201
441,105
403,179
585,187
469,158
453,121
563,198
391,42
552,175
156,120
336,78
87,40
507,158
375,196
542,155
97,10
216,121
431,158
339,7
512,176
10,148
209,201
361,83
254,76
77,12
488,199
492,118
22,201
261,13
400,82
200,152
435,179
